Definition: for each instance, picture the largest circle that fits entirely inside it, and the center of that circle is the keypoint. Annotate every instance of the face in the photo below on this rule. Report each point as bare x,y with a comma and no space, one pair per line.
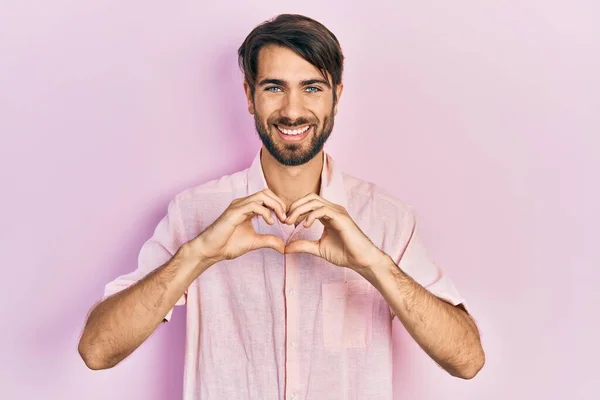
292,105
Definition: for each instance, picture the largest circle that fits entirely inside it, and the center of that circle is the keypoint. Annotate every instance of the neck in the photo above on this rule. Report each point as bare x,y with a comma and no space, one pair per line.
291,183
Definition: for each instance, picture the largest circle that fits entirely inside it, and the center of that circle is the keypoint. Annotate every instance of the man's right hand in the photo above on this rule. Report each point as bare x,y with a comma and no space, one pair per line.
233,235
120,323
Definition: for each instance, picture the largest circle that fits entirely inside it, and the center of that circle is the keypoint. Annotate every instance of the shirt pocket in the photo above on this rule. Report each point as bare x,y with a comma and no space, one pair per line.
347,314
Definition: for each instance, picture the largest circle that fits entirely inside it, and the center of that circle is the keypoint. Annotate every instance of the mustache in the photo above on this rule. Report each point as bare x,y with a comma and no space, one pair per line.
288,122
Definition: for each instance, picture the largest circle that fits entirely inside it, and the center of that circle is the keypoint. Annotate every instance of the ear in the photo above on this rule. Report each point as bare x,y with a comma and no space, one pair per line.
249,98
338,92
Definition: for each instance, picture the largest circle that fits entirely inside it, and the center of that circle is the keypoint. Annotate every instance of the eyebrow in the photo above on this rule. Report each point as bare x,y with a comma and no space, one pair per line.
280,82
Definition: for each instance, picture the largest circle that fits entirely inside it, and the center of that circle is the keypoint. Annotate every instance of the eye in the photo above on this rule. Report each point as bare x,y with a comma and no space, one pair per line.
313,89
272,89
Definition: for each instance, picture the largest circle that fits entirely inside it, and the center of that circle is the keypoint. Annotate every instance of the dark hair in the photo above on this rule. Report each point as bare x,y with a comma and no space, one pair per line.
308,38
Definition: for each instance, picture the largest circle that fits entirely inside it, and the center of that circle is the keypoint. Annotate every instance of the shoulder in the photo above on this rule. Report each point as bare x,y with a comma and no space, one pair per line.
384,217
223,186
381,203
205,201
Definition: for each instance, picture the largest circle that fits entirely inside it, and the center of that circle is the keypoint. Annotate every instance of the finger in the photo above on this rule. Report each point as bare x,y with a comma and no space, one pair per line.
321,212
301,217
281,214
303,209
249,210
303,200
272,194
266,200
269,241
306,199
303,246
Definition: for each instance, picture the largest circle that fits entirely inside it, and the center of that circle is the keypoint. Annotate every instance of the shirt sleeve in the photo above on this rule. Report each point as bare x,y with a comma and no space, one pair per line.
156,251
414,260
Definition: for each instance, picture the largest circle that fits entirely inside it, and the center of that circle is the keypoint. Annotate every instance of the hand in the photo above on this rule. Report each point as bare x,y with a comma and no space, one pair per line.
342,242
233,235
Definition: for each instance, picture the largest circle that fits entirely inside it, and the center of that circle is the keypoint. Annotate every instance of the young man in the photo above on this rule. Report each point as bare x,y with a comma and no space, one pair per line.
292,271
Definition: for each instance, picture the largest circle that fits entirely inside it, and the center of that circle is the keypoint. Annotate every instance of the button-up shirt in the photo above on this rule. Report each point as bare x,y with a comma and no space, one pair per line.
271,326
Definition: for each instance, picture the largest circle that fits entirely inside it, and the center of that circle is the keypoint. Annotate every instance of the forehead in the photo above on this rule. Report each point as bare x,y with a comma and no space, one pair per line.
282,63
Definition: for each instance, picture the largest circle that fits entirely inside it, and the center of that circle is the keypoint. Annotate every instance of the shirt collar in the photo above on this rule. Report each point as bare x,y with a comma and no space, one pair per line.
332,180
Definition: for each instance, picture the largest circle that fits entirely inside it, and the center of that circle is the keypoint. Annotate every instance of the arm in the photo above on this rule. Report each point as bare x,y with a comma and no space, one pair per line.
445,332
122,322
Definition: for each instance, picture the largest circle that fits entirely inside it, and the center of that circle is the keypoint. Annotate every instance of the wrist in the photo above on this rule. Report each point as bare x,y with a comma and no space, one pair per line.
378,268
194,255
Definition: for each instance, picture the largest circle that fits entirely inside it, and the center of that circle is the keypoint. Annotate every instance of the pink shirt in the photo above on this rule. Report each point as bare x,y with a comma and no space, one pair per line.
269,326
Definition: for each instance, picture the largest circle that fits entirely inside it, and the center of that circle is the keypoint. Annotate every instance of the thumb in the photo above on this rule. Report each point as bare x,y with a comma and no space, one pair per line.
269,241
303,246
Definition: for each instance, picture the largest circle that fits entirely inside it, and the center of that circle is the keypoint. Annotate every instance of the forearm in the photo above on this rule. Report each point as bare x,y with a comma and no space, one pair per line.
445,332
122,322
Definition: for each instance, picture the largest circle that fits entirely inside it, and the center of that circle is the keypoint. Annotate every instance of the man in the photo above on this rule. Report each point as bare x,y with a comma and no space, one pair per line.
292,271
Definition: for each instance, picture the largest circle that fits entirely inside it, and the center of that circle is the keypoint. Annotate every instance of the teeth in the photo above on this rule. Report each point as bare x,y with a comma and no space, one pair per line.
294,132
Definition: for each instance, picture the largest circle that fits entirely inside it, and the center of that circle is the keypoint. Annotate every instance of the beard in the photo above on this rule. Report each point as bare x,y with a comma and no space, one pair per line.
293,154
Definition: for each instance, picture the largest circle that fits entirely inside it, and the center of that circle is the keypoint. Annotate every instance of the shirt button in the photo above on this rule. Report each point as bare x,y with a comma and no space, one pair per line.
291,292
293,344
293,395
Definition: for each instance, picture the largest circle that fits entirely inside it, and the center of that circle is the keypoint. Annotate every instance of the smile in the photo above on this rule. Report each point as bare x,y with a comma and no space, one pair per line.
294,135
293,132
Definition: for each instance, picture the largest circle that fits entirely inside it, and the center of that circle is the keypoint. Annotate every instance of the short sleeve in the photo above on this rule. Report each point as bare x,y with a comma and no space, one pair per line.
414,260
165,241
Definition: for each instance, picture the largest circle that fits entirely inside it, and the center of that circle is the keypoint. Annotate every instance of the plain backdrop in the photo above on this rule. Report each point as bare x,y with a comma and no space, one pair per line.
484,116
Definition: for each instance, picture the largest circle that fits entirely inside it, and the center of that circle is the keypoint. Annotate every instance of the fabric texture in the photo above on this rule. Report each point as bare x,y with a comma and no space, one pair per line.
273,326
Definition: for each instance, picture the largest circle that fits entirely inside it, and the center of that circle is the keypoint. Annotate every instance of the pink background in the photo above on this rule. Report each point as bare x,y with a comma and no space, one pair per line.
483,117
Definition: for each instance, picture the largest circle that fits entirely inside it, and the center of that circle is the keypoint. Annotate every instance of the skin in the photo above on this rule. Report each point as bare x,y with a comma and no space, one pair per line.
447,333
119,324
291,170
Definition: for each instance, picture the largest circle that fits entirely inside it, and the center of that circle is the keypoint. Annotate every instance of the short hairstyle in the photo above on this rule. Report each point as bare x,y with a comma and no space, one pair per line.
308,38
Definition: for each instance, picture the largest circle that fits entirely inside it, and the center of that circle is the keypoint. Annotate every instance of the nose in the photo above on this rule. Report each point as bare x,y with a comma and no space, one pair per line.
292,105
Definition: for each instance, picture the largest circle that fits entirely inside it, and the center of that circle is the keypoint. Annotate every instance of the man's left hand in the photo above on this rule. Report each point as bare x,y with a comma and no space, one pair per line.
342,242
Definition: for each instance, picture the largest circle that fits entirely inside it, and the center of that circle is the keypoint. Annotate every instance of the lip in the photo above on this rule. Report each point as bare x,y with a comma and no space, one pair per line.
294,138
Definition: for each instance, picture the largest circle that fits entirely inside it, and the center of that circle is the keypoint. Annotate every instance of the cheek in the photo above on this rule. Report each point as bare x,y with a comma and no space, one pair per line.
266,107
321,104
324,111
